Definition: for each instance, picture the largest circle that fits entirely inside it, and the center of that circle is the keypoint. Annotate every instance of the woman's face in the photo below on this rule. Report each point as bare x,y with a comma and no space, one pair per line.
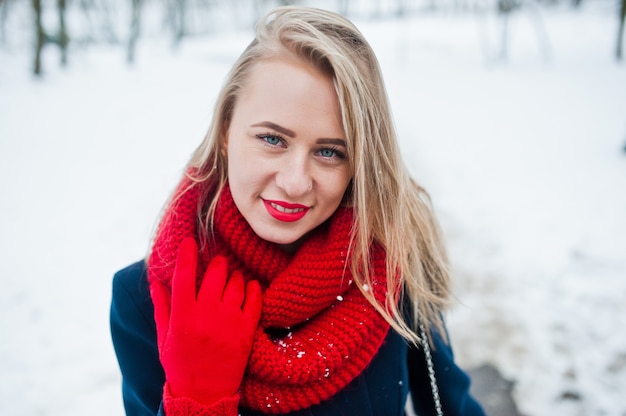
288,166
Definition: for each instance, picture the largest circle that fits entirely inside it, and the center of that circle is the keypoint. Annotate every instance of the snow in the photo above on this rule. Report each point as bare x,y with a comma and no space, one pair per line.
523,159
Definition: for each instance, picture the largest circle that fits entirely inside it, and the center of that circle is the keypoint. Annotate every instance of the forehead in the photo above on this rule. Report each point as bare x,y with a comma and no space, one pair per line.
288,90
286,69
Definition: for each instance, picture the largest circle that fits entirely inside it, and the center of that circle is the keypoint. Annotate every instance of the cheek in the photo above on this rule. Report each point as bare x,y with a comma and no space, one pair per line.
238,160
336,187
247,173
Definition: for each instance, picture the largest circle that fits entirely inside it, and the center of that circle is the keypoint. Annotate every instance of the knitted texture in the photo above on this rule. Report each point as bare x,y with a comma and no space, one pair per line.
317,331
185,406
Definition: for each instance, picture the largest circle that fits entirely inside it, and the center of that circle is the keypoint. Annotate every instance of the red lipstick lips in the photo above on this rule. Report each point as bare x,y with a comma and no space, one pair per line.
284,211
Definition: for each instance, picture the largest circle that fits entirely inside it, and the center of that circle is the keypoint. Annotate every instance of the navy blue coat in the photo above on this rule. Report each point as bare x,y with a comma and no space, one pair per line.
381,389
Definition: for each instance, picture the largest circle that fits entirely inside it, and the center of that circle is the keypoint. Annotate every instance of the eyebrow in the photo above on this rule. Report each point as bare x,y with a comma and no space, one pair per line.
276,127
338,142
292,134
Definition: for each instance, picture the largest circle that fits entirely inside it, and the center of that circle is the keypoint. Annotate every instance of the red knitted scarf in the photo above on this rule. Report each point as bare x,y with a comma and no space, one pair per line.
317,331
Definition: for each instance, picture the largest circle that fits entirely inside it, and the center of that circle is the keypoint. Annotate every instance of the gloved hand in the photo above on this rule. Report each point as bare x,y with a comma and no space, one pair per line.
205,340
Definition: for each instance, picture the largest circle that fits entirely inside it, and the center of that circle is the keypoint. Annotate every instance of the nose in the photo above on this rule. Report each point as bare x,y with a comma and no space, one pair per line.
294,175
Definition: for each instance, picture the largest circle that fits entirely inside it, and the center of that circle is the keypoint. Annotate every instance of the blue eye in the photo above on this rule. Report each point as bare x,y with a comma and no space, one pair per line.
273,140
329,153
270,139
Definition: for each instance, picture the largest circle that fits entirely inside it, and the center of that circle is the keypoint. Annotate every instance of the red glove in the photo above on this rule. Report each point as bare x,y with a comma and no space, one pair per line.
205,340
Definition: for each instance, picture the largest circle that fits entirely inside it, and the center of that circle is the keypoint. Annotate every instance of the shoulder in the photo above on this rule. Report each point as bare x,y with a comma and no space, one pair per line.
131,295
132,277
132,281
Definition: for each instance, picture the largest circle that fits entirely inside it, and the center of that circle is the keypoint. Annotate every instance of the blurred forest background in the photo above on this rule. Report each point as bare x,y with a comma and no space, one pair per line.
72,25
511,113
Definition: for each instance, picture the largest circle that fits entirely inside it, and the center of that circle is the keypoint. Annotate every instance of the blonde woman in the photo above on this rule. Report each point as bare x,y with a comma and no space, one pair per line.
297,266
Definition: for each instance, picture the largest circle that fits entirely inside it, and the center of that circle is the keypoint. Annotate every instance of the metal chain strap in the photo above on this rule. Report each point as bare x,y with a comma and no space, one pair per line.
431,367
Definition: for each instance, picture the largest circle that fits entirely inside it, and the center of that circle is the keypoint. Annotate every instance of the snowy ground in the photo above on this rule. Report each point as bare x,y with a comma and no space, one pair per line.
523,159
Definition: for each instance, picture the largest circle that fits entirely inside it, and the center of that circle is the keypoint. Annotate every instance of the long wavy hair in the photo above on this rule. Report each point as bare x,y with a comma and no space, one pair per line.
390,208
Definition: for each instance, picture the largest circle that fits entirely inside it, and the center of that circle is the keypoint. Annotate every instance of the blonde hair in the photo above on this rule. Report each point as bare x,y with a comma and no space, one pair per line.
389,207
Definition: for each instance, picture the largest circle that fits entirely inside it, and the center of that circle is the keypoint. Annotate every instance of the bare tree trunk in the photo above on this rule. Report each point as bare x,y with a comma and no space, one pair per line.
134,31
108,27
62,38
620,31
401,8
179,21
40,36
102,20
504,45
4,11
542,35
505,10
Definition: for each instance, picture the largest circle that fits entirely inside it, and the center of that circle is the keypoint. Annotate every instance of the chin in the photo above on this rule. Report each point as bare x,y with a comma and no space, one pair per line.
282,240
276,235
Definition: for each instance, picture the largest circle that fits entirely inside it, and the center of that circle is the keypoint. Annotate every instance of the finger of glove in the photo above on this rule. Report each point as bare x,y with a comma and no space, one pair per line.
184,280
214,281
234,291
161,300
253,303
